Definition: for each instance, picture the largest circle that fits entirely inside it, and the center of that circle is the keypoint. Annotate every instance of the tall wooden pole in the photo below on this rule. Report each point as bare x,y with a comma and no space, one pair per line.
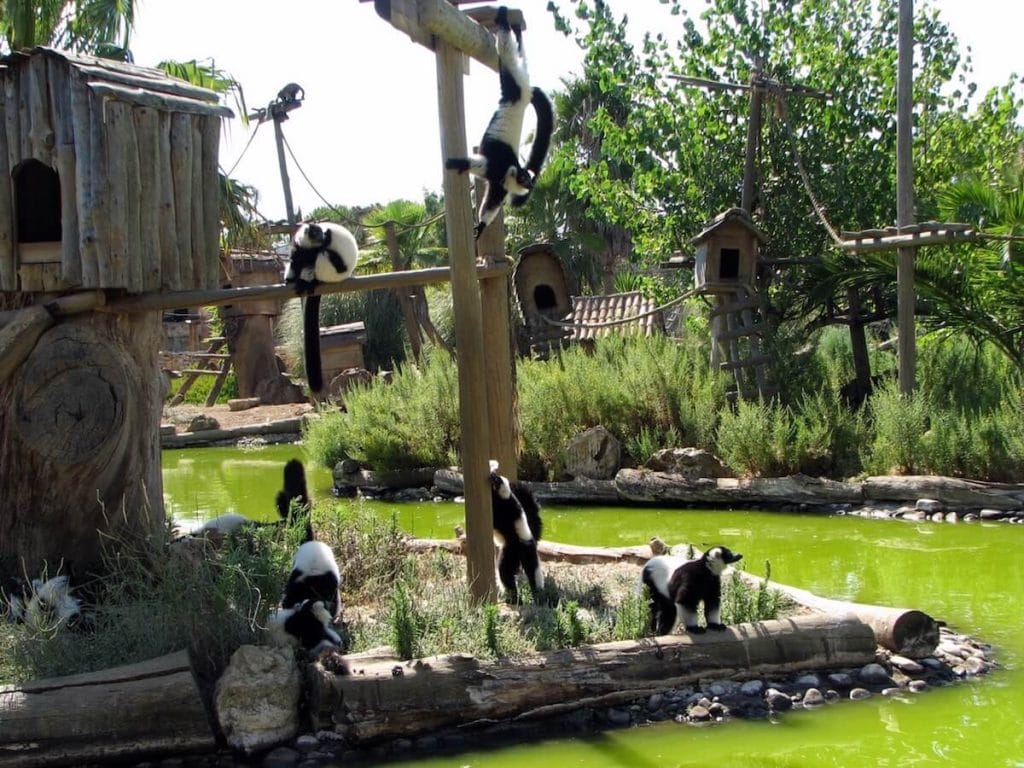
906,345
475,440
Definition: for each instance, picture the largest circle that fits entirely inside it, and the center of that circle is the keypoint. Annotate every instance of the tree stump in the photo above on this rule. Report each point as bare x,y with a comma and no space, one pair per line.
79,443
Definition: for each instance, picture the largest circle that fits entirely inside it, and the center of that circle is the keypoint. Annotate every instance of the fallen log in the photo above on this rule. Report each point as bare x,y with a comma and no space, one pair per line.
647,486
375,699
582,490
906,631
292,426
153,707
951,491
549,550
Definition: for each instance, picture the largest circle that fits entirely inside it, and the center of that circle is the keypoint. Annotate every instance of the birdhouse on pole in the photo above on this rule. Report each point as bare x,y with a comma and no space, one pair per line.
727,252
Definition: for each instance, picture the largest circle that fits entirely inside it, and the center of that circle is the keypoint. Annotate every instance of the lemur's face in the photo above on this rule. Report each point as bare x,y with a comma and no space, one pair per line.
518,180
720,557
499,484
309,236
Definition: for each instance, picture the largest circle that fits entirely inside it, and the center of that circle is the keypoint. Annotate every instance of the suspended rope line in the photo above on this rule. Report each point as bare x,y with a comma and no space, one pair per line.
245,149
819,209
347,221
624,320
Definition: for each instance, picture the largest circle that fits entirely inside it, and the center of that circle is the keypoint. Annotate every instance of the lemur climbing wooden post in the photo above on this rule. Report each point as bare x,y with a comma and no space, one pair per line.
483,340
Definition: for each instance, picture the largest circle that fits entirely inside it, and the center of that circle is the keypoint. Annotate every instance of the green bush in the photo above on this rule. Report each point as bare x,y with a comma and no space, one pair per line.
200,389
899,426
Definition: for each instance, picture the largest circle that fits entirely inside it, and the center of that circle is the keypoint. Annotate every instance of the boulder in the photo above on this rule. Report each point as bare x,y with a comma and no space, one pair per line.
691,463
594,453
257,698
202,423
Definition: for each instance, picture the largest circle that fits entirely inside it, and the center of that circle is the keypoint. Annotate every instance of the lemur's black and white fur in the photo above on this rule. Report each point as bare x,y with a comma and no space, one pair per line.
498,161
677,587
517,529
294,490
315,576
45,604
307,624
324,252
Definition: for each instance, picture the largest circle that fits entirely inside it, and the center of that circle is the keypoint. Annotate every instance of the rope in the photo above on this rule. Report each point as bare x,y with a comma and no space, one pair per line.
624,320
244,150
819,209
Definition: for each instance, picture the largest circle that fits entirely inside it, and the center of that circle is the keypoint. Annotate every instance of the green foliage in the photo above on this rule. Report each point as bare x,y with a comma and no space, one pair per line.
491,617
411,422
900,423
202,386
405,622
742,603
631,620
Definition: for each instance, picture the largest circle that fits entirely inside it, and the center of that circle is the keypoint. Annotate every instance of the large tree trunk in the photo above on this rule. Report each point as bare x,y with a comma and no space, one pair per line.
79,443
251,343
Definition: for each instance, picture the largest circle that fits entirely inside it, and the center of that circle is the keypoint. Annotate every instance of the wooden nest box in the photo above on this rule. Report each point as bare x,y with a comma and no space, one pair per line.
109,176
727,252
542,292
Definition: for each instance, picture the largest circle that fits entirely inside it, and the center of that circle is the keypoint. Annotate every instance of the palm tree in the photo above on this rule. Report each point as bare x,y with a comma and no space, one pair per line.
84,26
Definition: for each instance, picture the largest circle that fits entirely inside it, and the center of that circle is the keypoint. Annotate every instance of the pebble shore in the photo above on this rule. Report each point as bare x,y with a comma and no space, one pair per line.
956,658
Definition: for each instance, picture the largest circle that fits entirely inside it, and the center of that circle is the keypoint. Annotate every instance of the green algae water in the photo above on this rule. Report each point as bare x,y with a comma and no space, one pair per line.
970,575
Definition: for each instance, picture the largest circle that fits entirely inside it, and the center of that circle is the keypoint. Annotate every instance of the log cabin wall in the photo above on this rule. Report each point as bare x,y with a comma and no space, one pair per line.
133,153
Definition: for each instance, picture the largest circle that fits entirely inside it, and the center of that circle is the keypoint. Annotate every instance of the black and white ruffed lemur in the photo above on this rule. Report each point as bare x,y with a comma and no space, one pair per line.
498,159
322,252
517,529
676,587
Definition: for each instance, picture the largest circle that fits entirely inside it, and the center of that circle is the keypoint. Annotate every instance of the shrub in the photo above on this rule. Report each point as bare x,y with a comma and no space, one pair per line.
899,425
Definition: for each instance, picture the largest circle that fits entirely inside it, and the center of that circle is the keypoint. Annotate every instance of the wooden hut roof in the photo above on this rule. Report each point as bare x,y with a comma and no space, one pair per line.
733,214
591,310
145,86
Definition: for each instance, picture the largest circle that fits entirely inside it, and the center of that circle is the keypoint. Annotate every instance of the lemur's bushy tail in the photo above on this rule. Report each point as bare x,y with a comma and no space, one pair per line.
295,493
545,113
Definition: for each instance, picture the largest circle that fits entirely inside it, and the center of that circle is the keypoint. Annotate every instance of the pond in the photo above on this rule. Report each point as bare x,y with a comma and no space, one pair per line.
968,574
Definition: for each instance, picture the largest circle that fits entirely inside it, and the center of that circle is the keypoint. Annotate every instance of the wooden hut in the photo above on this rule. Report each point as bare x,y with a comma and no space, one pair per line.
108,186
341,348
111,176
543,294
727,252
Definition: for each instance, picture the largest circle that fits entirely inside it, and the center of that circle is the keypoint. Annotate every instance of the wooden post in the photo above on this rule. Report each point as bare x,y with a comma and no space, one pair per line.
475,442
283,165
499,361
906,344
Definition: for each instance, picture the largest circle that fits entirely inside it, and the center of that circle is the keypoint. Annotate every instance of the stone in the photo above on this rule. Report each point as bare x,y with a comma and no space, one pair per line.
857,694
698,714
808,681
617,716
904,664
595,454
281,757
917,686
752,688
928,505
993,514
654,702
840,680
690,463
873,673
307,742
201,423
813,698
257,698
974,666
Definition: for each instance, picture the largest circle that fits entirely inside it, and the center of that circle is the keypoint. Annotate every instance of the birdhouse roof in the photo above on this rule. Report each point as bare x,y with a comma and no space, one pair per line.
146,86
737,215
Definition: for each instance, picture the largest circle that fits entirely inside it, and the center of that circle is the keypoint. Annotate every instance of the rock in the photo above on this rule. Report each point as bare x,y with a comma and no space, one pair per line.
243,403
873,673
808,681
691,463
723,688
857,694
752,688
594,453
917,686
813,698
307,742
952,517
654,702
892,691
281,757
840,680
617,716
201,422
257,698
904,664
167,429
993,514
698,714
974,666
928,505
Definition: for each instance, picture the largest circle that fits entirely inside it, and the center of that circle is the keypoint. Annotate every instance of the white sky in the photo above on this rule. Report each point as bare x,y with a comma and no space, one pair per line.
367,131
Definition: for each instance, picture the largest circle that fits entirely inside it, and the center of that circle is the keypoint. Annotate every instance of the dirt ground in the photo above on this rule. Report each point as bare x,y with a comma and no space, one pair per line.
180,415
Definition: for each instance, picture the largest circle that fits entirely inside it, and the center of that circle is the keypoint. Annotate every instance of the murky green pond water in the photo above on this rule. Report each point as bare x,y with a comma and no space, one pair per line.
970,575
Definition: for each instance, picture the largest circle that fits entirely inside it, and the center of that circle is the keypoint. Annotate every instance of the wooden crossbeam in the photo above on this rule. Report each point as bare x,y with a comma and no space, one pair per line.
872,244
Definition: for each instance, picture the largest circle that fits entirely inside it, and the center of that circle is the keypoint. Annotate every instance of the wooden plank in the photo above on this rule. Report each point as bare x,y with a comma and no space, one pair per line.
210,131
39,253
8,267
170,267
41,135
742,364
12,126
181,173
65,163
99,180
199,254
18,338
475,441
163,102
116,128
729,306
211,398
146,122
81,115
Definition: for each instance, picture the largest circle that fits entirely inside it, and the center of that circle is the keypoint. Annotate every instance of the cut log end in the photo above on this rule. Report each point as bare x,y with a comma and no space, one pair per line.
915,634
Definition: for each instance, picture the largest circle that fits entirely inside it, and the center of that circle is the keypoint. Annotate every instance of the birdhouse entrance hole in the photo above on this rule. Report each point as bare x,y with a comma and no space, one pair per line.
544,297
729,264
37,202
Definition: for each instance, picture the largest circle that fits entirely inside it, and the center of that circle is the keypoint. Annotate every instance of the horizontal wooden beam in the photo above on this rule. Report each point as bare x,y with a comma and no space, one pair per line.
892,242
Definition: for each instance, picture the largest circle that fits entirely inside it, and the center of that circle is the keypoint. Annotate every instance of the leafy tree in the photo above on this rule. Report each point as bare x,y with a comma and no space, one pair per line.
85,26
